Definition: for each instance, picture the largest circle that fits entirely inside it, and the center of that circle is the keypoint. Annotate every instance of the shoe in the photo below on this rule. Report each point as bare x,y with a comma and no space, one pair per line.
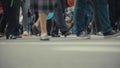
35,30
84,35
18,36
1,34
111,34
55,35
11,37
44,38
99,33
66,33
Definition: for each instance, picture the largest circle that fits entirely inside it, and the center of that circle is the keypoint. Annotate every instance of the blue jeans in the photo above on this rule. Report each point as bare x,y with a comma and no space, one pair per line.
25,7
80,12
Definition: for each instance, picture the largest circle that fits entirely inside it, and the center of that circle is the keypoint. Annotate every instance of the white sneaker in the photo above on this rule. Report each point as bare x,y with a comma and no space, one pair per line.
44,38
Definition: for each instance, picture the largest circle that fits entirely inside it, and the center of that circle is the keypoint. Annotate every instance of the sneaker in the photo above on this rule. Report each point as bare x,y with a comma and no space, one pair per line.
44,38
18,36
55,35
111,34
35,30
84,35
66,33
99,34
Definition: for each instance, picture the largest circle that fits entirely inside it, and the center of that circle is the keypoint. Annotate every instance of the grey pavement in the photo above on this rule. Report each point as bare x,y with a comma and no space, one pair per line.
70,52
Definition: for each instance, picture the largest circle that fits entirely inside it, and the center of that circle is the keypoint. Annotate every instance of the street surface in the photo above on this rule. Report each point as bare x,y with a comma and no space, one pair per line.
69,52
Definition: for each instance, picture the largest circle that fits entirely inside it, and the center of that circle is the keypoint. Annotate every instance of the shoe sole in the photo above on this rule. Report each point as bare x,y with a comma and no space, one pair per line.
86,37
112,36
44,39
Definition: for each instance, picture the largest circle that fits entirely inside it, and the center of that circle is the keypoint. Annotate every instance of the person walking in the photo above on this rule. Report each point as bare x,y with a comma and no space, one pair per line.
43,7
25,4
60,17
102,13
11,10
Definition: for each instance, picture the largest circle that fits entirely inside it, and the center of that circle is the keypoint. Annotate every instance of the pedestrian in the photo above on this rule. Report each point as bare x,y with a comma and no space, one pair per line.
102,13
60,17
25,4
11,11
43,7
114,11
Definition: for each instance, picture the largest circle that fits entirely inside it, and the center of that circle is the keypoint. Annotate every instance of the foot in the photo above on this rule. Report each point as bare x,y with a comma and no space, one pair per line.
99,33
44,38
55,35
35,30
111,34
11,37
84,35
25,33
18,36
1,34
66,33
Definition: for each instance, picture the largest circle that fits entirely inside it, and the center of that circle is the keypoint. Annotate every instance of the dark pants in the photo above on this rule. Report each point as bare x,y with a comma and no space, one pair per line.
3,18
12,16
2,23
96,22
101,11
114,11
59,15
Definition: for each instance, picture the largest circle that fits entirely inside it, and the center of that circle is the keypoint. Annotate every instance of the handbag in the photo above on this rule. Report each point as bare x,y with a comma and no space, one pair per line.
70,3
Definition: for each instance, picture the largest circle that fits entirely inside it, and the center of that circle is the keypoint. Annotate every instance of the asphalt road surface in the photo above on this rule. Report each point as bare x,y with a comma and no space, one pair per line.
70,52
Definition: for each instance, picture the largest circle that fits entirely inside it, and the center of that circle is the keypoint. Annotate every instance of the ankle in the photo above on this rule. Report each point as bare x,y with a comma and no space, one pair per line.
44,34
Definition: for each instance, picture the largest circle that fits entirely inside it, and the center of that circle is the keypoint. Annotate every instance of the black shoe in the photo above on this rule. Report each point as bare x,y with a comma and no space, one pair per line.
11,37
55,35
18,36
1,34
35,30
111,34
66,33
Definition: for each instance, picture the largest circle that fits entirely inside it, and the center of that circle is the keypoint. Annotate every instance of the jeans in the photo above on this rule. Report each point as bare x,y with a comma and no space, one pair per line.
25,8
101,11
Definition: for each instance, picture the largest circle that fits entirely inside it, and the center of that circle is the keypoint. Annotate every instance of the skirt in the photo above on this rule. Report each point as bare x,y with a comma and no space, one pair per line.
43,5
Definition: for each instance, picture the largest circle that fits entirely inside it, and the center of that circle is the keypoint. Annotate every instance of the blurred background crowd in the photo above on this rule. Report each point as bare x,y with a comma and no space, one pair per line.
55,18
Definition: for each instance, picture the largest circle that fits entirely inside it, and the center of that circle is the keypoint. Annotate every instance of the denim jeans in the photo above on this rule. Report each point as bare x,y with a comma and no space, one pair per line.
80,12
25,7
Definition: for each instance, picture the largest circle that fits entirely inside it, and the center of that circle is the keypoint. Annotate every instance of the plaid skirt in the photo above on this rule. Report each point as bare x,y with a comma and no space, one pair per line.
43,5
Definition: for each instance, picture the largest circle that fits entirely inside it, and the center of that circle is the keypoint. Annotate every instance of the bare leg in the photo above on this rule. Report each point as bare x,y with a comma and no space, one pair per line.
43,24
42,18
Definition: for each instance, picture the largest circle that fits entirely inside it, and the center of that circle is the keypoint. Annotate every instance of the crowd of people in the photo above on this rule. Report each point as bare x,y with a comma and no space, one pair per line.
46,18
